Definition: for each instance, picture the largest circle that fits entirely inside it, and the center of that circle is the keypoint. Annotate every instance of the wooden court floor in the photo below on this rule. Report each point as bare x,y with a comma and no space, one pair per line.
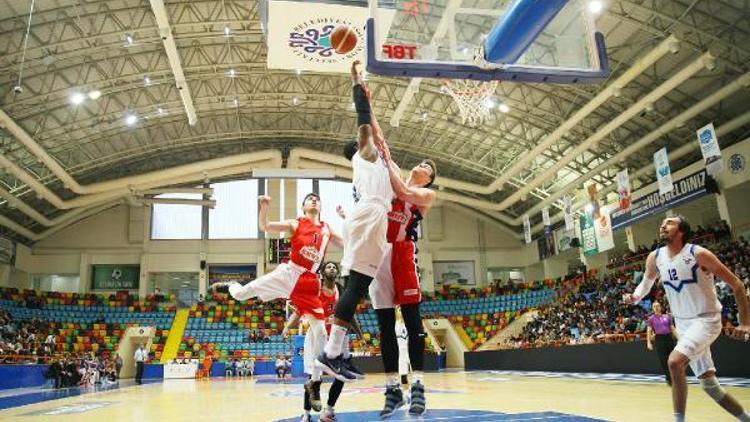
460,396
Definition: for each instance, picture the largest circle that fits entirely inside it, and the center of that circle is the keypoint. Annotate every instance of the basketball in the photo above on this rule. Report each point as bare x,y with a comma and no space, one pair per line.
343,39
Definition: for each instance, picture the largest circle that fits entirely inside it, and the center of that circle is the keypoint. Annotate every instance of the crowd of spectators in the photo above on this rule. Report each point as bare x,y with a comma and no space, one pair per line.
23,341
84,370
594,312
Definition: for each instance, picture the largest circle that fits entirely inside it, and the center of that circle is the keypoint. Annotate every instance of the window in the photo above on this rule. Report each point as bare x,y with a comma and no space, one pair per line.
173,221
332,194
236,213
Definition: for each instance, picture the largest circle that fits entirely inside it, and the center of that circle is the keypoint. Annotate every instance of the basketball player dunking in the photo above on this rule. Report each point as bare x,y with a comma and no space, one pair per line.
364,230
687,272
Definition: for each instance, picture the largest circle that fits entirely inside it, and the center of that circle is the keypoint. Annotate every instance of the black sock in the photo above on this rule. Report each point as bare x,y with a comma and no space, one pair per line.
413,322
335,392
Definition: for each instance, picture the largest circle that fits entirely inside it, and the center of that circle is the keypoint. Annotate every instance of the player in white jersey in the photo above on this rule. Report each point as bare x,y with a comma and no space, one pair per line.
687,272
364,230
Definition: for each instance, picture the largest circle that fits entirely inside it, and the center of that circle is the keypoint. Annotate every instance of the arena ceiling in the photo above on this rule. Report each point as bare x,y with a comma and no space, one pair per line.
79,46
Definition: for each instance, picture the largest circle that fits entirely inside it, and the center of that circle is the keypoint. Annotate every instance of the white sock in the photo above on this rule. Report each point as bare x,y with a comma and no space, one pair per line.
345,352
317,372
744,417
333,347
391,380
418,377
679,417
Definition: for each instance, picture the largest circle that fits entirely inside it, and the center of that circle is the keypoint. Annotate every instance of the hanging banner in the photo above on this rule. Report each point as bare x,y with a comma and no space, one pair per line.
684,190
563,239
623,189
604,239
568,212
630,238
710,149
594,199
545,216
663,173
588,235
526,228
115,277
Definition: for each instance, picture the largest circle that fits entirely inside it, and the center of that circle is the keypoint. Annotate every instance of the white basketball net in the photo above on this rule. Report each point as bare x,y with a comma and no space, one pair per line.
474,98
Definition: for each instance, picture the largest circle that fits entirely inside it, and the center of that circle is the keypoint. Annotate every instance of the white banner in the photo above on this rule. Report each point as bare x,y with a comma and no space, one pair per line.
526,228
568,212
314,37
603,226
630,238
663,173
710,149
545,216
623,189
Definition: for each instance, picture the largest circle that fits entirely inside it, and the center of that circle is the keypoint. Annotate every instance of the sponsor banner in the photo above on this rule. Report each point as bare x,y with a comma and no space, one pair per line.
568,212
710,149
623,189
115,277
663,172
454,272
526,228
588,235
603,225
563,237
684,190
239,273
319,37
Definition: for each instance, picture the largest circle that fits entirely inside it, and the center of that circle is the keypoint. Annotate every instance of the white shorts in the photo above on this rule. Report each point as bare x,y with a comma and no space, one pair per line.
278,284
695,338
315,341
364,234
382,289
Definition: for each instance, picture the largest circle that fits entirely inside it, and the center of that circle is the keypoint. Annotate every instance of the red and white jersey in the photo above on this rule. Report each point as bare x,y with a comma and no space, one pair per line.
329,305
403,220
309,243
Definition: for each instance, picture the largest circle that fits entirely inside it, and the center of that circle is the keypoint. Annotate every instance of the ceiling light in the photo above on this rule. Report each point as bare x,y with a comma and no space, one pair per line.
160,111
595,6
131,119
232,73
227,31
424,115
129,39
299,71
504,108
77,98
95,94
354,106
147,81
295,100
236,102
489,103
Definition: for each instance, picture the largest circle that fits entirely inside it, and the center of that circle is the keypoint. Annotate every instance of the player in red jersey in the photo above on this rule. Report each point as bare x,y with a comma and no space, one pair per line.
329,294
397,283
297,279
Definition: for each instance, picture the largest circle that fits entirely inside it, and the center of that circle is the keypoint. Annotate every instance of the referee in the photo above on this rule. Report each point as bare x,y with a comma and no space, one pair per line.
661,329
139,357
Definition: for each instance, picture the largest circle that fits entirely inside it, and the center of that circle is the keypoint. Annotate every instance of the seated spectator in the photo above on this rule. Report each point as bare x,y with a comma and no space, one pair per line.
281,367
231,368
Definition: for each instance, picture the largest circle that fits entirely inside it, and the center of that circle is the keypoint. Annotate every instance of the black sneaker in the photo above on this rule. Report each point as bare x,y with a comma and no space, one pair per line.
394,399
312,389
347,362
334,367
221,287
418,401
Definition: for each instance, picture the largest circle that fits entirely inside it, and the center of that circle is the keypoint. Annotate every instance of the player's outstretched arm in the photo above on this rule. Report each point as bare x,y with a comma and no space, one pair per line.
288,226
643,289
706,259
366,147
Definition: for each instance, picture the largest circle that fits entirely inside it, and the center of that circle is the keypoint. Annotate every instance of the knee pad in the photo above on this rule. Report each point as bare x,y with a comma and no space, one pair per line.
712,387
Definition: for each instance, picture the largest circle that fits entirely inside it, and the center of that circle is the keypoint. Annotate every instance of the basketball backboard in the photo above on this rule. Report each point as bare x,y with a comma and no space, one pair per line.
547,41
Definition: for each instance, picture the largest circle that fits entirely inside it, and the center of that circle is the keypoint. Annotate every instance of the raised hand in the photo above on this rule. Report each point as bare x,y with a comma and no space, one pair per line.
264,200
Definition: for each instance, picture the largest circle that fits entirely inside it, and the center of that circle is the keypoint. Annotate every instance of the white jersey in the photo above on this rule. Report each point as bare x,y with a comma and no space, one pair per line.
690,290
370,181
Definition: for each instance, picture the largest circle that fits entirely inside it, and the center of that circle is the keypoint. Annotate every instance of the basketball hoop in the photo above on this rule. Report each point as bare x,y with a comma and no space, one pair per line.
474,98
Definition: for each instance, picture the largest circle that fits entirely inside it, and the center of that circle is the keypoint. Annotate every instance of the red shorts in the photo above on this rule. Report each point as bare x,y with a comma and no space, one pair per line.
305,296
397,281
